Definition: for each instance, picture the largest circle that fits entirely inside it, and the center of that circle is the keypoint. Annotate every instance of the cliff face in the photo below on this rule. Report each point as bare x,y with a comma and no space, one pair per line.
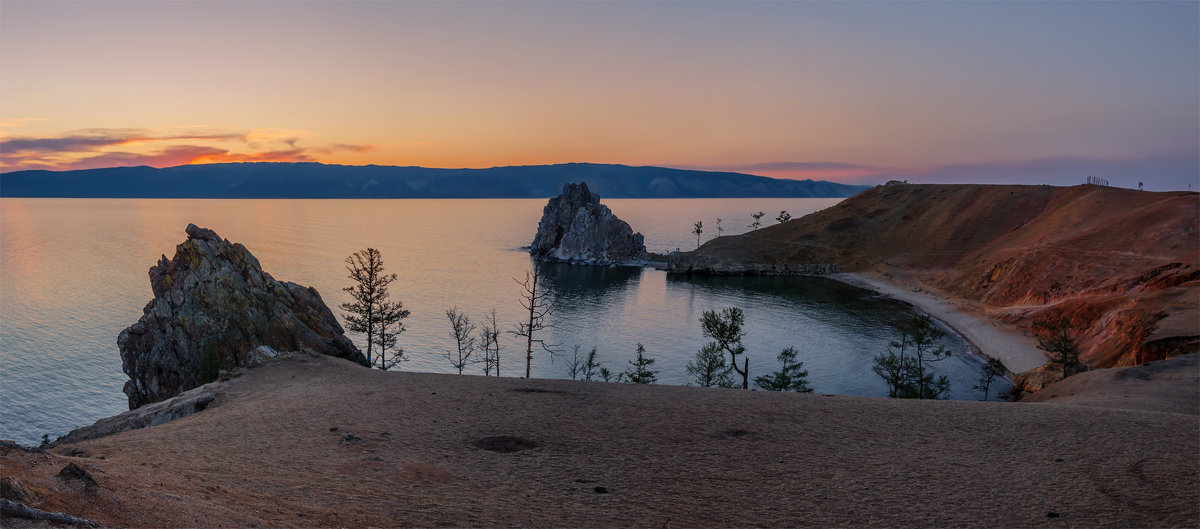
575,227
213,305
1122,265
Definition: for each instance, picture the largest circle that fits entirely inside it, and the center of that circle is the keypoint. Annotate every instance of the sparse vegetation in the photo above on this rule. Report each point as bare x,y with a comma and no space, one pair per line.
1060,342
639,371
710,369
783,217
462,330
791,375
371,311
719,228
697,229
539,302
489,344
992,369
725,329
757,220
903,367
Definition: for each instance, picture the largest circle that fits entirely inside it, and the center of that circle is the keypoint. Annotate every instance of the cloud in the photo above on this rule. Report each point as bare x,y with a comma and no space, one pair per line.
164,147
799,166
1166,171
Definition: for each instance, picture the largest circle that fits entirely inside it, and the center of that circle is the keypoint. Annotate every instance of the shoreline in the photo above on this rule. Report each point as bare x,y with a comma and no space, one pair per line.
304,436
1017,351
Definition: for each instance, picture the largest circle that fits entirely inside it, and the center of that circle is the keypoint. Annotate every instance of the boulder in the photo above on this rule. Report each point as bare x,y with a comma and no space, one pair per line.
213,307
575,227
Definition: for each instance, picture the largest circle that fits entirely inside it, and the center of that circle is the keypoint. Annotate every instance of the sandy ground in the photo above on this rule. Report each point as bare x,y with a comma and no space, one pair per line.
1016,349
320,442
1171,385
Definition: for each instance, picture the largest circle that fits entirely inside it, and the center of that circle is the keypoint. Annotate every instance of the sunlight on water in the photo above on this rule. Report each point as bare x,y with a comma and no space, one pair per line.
73,275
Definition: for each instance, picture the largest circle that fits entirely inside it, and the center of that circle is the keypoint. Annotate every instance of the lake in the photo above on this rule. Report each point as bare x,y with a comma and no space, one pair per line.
73,275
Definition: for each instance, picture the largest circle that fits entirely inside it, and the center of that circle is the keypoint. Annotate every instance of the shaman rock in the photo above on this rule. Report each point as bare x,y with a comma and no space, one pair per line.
213,306
575,227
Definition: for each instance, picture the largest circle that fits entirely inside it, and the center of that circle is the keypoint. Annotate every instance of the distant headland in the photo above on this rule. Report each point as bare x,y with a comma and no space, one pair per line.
316,180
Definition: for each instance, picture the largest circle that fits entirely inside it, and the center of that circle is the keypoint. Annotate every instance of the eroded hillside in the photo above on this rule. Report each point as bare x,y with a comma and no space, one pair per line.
1122,265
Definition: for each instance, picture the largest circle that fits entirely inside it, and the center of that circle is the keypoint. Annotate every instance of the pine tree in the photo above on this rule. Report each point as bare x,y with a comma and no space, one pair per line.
639,371
725,328
791,376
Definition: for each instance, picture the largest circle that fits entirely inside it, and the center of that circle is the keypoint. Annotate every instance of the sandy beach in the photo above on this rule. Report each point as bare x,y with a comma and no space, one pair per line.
320,442
1016,349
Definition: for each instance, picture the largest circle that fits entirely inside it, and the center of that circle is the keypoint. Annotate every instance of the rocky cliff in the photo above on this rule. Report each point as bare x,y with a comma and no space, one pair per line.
213,305
575,227
1122,265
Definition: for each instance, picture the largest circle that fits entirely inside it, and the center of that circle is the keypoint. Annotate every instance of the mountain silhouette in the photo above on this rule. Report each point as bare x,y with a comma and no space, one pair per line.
316,180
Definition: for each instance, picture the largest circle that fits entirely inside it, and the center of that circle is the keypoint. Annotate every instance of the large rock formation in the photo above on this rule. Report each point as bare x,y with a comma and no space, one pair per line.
576,228
213,305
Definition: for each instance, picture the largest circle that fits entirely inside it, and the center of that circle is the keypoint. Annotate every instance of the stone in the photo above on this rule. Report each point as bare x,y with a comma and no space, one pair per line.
76,472
213,309
11,488
576,228
187,403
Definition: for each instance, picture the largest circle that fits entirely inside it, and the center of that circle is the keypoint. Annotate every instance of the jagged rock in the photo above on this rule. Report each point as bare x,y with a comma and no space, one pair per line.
76,472
213,305
187,403
575,227
12,489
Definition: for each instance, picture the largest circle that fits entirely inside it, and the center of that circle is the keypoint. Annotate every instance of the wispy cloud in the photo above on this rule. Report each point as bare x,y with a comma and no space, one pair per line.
164,147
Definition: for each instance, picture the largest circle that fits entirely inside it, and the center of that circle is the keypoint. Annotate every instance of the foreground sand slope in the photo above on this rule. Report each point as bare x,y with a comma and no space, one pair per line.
317,441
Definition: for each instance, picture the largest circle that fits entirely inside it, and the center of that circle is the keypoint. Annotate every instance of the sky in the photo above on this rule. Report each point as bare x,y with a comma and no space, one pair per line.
856,92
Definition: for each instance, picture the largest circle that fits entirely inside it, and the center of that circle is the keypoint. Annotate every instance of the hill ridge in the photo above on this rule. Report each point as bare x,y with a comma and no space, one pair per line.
319,180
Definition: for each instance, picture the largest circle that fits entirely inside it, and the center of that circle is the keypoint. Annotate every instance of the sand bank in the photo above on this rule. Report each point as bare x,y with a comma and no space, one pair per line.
1017,350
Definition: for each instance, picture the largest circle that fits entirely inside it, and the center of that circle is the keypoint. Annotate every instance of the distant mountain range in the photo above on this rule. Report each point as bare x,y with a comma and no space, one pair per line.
315,180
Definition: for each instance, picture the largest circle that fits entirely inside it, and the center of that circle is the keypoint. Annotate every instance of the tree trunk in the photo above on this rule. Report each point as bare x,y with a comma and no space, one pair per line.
746,373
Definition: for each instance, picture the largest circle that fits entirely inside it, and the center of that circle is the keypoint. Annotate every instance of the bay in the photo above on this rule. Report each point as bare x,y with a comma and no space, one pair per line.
73,275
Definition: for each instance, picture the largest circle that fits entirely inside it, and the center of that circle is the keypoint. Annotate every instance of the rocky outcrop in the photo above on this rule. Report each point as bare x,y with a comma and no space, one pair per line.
575,227
213,305
689,264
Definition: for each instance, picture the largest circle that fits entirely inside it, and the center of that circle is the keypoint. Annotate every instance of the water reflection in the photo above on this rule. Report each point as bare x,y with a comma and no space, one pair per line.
73,274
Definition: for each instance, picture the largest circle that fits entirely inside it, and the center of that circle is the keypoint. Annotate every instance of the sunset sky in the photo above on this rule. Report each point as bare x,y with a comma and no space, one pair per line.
860,92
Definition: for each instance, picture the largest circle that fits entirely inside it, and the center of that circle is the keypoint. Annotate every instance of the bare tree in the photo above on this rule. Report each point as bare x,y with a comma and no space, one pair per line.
461,329
575,364
489,344
370,311
757,220
719,228
539,301
783,217
698,228
725,328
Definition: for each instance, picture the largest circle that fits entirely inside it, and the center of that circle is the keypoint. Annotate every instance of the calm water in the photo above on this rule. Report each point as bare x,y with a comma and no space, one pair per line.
73,275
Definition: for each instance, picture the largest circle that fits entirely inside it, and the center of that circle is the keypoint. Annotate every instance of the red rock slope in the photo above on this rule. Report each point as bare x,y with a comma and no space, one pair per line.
1123,265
